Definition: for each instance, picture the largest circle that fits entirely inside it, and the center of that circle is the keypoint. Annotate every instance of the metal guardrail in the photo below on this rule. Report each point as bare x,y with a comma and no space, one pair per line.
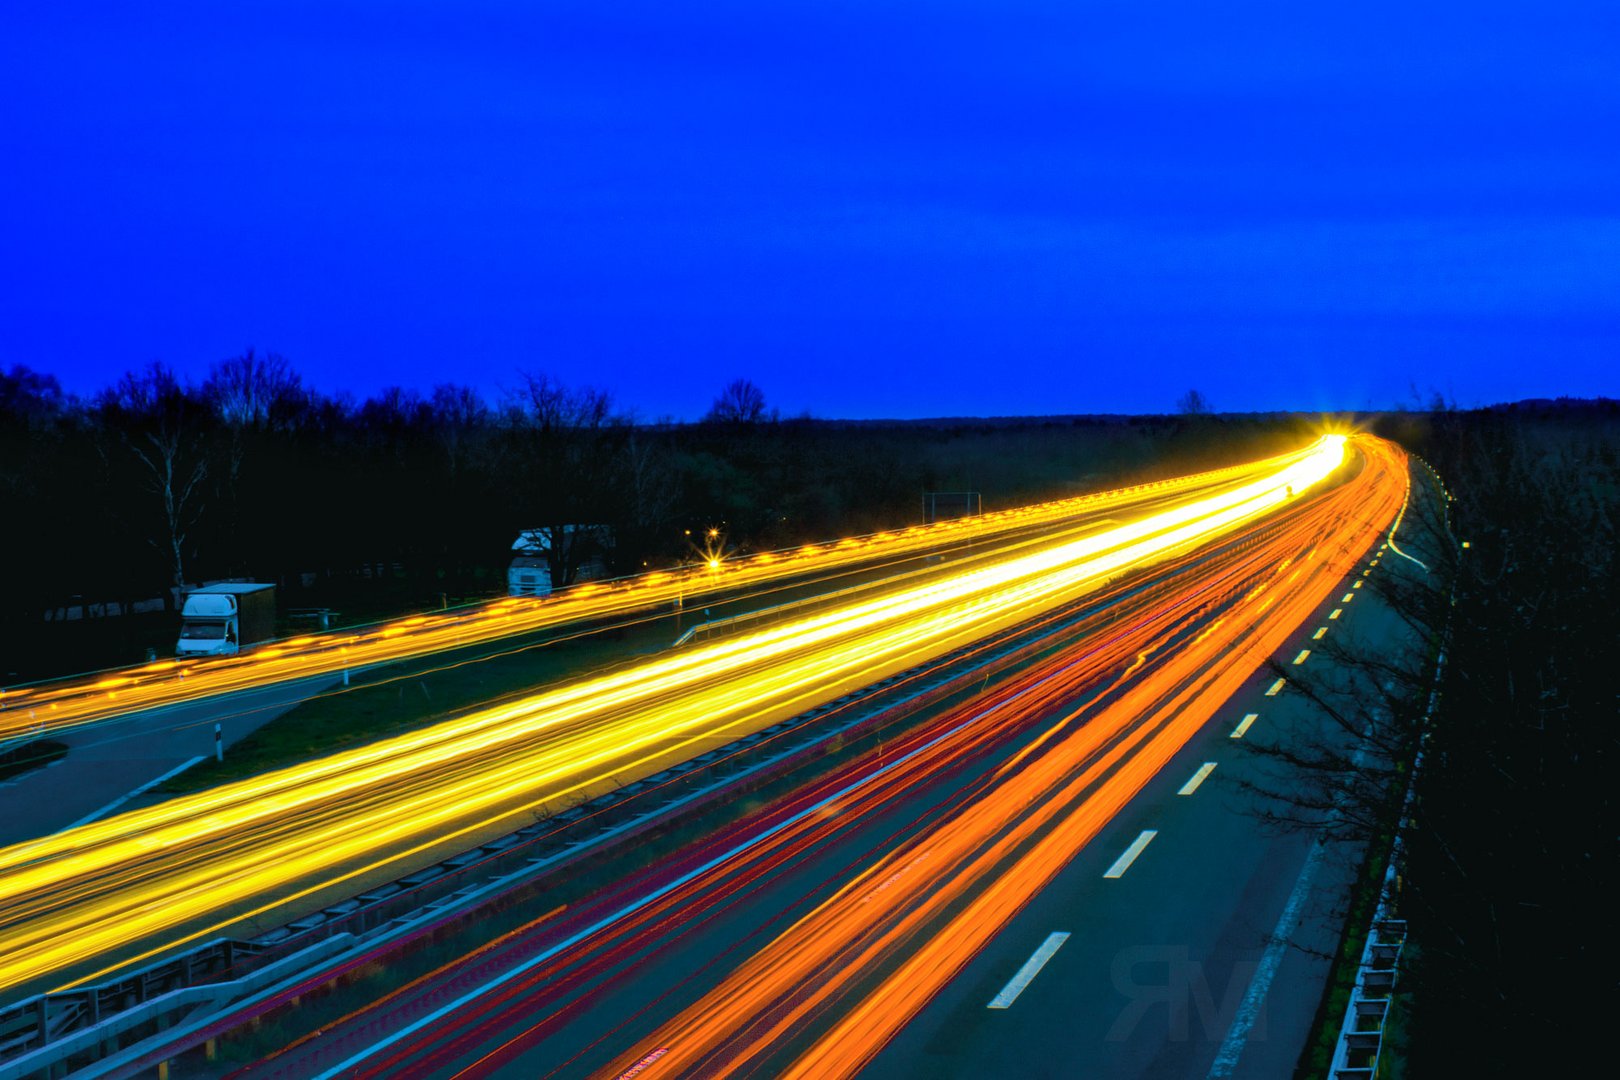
1361,1039
84,1049
32,1024
1361,1034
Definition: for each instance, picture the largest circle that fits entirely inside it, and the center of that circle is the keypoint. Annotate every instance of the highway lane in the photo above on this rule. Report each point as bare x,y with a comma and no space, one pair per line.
824,998
38,709
1126,603
117,746
123,753
81,903
106,762
1179,967
776,898
1159,962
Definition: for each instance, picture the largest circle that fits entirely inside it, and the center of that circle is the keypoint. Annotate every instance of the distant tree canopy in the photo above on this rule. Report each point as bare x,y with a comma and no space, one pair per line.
257,392
1193,403
741,402
1513,848
155,482
29,396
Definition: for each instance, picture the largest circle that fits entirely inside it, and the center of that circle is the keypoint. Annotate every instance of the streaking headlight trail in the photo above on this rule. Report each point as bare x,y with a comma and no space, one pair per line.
141,883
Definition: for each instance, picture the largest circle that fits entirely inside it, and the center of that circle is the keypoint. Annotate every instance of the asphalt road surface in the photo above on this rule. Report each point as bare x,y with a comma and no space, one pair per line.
78,905
109,760
887,919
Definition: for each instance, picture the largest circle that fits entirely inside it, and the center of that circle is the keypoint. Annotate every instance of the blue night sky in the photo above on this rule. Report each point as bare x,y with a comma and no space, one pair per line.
870,208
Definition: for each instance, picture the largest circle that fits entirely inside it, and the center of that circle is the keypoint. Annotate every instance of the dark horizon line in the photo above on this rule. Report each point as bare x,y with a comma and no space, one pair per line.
631,413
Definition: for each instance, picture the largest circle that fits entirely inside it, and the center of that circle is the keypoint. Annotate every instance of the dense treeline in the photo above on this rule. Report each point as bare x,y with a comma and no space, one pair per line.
384,504
1513,854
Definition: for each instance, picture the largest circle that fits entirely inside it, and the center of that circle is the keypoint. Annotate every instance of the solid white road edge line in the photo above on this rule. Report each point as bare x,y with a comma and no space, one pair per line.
1390,540
1123,863
1026,974
1226,1058
122,799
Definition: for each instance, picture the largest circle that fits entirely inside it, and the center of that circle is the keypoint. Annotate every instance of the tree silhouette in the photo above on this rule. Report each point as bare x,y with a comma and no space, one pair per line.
254,392
741,402
566,447
379,505
162,427
1510,841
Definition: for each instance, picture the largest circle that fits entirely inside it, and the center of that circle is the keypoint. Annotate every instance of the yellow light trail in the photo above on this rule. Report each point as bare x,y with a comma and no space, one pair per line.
145,882
35,710
882,946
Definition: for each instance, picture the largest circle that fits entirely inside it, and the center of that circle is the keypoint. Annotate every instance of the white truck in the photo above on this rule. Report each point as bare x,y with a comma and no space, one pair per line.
223,619
529,573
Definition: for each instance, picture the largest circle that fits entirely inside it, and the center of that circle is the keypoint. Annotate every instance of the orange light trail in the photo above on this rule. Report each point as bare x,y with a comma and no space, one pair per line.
763,846
31,711
996,851
90,900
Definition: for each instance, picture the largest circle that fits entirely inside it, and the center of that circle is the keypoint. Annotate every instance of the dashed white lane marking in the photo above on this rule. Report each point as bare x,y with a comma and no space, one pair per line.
1349,596
1197,778
1303,653
1276,686
1321,632
1357,585
1335,613
1123,863
1026,974
1243,725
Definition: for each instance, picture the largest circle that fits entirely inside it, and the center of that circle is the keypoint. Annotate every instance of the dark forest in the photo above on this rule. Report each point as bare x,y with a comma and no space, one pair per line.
406,500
